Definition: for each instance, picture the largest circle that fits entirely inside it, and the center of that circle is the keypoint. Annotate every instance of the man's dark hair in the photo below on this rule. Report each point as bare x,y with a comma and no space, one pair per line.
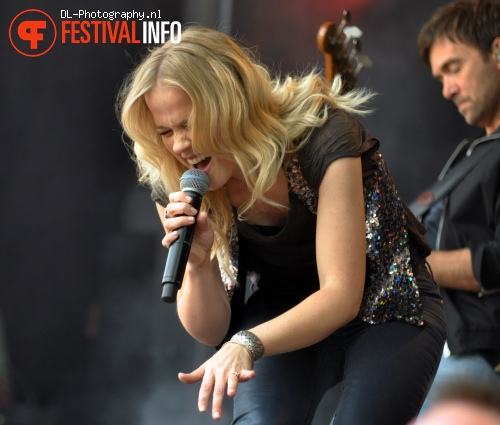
472,22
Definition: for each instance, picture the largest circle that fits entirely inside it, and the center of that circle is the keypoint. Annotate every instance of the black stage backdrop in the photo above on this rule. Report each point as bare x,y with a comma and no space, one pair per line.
85,338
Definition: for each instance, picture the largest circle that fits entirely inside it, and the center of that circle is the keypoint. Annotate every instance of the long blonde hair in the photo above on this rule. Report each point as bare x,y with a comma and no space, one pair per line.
261,121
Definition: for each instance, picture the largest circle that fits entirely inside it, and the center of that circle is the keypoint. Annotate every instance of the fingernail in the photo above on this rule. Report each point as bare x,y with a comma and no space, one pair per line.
194,210
188,198
217,415
191,219
202,408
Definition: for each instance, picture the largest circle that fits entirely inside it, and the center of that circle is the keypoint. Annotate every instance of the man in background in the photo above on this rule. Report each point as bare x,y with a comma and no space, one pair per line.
461,45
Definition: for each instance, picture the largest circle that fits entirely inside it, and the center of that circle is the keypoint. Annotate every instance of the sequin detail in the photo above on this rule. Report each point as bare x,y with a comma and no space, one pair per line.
298,184
392,293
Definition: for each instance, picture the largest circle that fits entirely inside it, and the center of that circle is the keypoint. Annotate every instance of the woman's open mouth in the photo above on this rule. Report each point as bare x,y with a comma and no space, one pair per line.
200,162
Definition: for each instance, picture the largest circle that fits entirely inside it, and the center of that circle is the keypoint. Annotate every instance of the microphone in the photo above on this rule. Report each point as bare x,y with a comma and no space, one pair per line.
195,183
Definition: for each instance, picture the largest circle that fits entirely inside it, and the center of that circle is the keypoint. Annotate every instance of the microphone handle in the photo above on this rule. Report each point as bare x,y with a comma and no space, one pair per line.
177,256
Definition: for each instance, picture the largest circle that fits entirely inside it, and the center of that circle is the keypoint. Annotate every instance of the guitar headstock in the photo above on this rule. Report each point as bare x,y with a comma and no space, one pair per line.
341,46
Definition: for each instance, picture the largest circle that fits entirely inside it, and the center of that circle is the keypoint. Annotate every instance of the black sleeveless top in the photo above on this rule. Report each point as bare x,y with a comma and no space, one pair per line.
286,259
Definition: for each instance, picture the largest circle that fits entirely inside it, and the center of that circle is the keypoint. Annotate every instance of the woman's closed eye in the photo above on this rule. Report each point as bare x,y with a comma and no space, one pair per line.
165,133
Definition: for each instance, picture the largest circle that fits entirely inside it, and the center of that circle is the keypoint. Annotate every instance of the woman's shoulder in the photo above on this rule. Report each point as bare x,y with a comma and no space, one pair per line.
342,135
341,132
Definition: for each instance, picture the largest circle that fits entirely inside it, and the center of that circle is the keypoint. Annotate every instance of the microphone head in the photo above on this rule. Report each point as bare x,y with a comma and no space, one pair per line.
195,180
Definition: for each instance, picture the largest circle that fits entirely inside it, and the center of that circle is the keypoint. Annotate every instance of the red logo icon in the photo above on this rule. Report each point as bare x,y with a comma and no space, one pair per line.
32,32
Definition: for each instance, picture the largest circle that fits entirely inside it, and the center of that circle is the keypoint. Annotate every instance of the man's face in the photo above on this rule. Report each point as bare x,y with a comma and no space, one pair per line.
469,80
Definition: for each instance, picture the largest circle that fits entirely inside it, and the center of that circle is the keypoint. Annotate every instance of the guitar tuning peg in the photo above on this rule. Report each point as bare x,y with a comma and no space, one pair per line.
356,48
352,32
363,61
356,45
345,20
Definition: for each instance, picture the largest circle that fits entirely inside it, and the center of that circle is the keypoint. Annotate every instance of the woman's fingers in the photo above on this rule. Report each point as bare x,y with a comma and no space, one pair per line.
215,387
227,380
219,375
178,213
219,390
179,209
179,205
232,383
246,375
179,197
193,377
172,224
208,385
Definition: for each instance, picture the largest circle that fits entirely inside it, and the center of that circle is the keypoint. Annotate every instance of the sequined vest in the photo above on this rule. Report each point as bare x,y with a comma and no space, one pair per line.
392,292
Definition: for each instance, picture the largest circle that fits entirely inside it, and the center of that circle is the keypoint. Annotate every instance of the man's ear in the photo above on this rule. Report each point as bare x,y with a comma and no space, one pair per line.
495,49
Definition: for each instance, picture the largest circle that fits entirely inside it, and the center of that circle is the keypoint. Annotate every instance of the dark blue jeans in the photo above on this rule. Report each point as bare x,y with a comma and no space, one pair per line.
382,372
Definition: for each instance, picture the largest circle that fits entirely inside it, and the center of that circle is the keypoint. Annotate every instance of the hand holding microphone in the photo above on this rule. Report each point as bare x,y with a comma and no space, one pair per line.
195,183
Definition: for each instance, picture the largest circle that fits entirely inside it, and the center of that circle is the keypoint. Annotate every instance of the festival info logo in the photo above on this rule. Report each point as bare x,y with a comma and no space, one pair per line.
32,32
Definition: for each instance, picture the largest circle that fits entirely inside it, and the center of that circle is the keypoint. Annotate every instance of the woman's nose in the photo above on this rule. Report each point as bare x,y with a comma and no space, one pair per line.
182,141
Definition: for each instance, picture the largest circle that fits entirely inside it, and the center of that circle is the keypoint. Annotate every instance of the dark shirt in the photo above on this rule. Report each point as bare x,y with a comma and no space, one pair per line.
471,219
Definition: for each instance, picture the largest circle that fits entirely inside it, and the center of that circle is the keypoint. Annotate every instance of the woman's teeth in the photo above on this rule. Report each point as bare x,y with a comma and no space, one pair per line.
195,161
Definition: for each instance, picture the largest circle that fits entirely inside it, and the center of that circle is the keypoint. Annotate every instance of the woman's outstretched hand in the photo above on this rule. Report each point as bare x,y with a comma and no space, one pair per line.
229,367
